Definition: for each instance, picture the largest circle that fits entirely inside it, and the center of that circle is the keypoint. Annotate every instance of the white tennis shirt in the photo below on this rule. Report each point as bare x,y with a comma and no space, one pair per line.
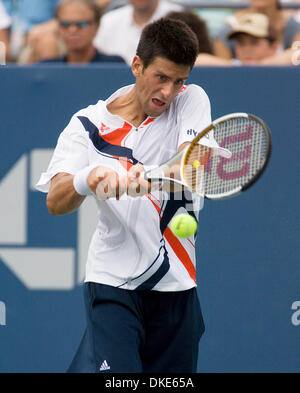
133,246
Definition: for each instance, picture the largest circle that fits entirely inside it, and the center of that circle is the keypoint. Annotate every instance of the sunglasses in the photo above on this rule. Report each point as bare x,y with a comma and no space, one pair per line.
82,24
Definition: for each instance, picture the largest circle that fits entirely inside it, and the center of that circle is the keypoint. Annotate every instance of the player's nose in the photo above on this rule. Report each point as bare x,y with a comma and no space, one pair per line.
167,90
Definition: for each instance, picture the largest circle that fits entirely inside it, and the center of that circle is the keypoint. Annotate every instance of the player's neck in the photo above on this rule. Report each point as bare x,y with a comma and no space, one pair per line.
128,108
81,56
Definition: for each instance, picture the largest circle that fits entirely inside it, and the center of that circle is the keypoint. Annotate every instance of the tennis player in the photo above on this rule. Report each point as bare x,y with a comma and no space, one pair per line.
142,309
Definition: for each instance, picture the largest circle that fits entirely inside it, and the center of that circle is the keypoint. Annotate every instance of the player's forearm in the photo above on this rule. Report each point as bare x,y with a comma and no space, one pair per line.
62,197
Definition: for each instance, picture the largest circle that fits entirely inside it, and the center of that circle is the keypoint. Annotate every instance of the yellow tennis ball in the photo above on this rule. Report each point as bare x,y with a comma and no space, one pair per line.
196,163
183,225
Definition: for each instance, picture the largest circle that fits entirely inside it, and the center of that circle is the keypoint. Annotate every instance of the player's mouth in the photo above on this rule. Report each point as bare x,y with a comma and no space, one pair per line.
158,103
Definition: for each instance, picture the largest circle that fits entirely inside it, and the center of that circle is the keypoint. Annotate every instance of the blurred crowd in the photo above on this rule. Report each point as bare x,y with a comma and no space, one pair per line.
264,32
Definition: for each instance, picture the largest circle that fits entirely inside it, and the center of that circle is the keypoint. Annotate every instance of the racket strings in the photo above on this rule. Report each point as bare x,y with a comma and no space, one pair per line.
196,163
248,143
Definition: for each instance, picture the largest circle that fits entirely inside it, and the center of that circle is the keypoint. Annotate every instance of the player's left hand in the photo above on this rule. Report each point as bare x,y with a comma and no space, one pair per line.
104,182
134,183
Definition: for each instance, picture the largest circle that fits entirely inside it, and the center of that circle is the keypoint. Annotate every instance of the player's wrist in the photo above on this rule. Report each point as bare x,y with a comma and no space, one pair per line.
80,182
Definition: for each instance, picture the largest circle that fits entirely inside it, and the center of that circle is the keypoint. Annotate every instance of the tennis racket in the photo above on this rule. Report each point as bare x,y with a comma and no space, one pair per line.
244,151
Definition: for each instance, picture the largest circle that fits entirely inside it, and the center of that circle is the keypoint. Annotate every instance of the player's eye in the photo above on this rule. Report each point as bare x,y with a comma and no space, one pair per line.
179,82
162,78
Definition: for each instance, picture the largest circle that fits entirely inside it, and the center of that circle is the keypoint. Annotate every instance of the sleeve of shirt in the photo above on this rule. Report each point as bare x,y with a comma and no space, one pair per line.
194,113
70,154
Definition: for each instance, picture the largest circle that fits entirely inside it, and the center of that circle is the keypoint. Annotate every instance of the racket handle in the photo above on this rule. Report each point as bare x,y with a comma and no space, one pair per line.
154,172
144,174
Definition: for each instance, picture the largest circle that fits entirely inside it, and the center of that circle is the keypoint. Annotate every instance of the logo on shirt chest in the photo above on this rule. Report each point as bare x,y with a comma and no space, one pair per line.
103,128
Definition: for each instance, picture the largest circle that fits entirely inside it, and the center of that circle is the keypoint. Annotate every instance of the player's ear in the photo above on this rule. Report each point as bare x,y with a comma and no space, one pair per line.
137,66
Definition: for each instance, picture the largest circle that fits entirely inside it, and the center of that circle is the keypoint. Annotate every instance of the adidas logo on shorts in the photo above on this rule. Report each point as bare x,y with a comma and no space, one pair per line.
104,366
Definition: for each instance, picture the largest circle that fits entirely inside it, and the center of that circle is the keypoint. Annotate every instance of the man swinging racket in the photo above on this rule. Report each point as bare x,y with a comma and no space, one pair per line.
142,309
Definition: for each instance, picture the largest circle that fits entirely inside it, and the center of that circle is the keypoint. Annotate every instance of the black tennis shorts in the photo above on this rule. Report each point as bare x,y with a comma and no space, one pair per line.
139,331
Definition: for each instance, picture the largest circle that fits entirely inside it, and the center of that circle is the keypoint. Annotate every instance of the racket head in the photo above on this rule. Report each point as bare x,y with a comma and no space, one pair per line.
248,139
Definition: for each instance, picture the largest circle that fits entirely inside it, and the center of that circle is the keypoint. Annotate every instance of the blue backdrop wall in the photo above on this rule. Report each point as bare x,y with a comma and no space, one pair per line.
248,268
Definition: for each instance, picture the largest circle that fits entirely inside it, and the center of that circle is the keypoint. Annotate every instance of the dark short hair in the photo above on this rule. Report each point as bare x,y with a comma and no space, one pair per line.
198,25
168,38
91,4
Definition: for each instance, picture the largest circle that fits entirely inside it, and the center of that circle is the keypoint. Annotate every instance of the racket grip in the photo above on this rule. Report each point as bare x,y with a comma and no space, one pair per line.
146,177
153,172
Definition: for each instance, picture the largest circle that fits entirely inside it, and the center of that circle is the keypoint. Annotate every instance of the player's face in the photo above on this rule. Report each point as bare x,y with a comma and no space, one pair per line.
250,50
77,37
158,84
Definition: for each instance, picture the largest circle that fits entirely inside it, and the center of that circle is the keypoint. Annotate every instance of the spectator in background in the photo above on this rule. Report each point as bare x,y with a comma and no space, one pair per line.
27,16
297,12
198,26
43,39
214,17
78,22
109,5
120,29
287,27
256,39
5,23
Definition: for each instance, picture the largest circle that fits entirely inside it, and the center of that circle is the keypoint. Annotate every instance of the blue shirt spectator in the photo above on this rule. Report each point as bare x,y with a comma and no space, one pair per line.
78,22
98,58
30,12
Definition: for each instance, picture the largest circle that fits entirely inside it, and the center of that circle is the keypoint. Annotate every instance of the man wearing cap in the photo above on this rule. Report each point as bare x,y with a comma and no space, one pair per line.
255,41
255,38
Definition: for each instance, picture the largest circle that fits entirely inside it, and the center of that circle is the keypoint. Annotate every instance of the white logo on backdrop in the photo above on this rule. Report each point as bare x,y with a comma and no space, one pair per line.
39,268
296,315
2,314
